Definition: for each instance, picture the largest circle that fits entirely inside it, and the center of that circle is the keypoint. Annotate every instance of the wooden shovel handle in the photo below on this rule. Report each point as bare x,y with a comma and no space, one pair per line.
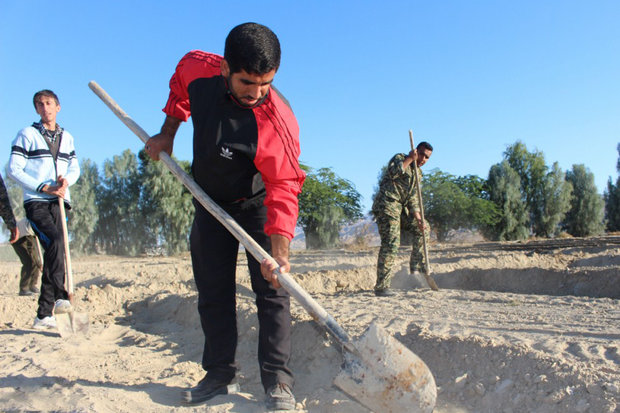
287,282
65,237
427,270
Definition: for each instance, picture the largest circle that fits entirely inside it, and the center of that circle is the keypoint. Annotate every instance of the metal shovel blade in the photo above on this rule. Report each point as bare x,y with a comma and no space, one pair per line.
71,323
386,376
431,282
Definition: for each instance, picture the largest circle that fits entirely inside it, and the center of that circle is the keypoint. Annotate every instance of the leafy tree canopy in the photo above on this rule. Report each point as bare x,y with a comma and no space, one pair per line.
612,200
327,202
504,189
586,215
452,203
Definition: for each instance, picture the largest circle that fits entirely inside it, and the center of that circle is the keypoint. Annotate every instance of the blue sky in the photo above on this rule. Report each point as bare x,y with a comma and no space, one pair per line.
471,77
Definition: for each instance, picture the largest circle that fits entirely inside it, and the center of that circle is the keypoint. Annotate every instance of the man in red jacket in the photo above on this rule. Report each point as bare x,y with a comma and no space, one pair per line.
246,150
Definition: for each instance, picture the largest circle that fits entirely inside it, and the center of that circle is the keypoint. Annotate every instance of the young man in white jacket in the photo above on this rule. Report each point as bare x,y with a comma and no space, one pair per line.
43,162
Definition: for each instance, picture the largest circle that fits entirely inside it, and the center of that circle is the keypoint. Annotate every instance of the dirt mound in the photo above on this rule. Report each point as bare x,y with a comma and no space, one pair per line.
515,327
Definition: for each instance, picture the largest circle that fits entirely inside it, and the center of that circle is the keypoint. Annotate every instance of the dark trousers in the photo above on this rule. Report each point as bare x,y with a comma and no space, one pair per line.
27,250
45,220
214,260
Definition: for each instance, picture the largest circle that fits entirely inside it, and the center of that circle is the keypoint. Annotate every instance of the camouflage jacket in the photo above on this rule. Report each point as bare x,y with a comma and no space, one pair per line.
5,207
397,189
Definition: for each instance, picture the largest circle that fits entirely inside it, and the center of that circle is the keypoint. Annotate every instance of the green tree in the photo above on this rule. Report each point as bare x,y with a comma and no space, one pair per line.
326,203
586,215
166,206
85,212
531,168
504,190
556,199
445,204
473,185
612,200
121,227
612,205
452,203
482,212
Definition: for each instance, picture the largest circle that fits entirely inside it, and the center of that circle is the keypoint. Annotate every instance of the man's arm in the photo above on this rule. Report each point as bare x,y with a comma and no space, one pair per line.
398,164
59,190
280,252
18,160
409,159
418,218
164,140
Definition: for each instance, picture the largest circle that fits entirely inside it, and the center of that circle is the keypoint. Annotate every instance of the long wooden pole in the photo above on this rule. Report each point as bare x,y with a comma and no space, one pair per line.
427,270
65,233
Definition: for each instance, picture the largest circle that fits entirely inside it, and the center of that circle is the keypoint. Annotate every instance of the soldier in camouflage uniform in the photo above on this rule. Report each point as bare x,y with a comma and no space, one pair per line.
397,197
29,252
7,213
24,243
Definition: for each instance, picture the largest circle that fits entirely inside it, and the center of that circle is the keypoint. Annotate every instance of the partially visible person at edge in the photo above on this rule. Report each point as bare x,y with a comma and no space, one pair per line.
43,162
27,249
24,243
246,150
7,213
397,196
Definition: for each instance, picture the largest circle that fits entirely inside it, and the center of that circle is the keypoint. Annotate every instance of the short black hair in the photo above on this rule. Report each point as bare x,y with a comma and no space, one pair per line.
425,145
252,47
44,92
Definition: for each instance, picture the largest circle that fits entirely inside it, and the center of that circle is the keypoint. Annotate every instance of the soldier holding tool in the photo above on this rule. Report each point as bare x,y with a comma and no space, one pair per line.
27,249
396,196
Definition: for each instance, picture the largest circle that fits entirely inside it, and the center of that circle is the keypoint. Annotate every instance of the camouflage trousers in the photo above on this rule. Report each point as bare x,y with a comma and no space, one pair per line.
389,232
26,249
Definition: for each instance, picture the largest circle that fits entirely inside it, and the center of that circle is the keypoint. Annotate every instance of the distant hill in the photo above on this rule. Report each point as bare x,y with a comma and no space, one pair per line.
349,234
367,228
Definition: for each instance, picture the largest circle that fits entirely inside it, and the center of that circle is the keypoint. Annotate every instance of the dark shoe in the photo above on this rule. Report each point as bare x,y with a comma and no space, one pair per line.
208,388
385,293
35,290
280,397
26,292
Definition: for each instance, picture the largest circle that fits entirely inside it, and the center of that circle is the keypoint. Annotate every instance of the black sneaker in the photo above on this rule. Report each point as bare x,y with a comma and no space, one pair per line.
385,293
280,397
26,292
208,388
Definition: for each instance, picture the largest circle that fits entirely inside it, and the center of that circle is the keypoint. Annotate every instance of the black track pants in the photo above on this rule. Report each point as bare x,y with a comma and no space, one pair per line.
45,220
214,260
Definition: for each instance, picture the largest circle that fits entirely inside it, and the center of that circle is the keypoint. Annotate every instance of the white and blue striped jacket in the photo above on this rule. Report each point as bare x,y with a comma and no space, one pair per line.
31,164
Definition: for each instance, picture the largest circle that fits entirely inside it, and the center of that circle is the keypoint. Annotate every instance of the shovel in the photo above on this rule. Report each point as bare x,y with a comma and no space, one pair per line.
71,322
379,372
427,270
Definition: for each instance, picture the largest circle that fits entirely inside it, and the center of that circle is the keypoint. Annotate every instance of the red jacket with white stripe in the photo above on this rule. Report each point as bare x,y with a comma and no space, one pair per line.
240,153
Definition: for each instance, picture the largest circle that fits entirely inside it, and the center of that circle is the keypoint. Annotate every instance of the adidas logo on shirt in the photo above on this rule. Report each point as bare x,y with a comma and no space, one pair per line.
226,153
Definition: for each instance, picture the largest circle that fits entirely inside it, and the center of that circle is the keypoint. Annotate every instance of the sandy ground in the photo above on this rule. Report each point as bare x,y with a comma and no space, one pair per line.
515,327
